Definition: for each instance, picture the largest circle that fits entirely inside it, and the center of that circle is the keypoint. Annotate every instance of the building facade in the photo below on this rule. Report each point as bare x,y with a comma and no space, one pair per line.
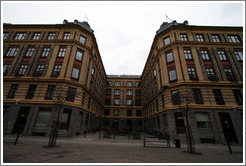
52,69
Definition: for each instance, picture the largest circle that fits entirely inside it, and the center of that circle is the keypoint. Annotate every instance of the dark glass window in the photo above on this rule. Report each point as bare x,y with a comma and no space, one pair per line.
239,55
216,38
222,55
172,75
199,38
116,101
12,91
117,83
36,36
20,36
75,73
116,112
83,99
129,112
71,94
6,69
139,113
229,75
22,70
129,83
176,97
31,91
116,92
238,96
66,35
203,120
82,39
187,54
211,75
233,39
106,112
183,37
167,41
128,102
218,97
46,51
50,92
62,52
129,92
29,52
198,96
204,54
89,103
39,70
51,35
169,57
56,70
12,51
192,73
79,55
156,104
5,35
163,100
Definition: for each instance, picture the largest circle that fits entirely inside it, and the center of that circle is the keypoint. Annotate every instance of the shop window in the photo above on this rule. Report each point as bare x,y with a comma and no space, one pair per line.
42,119
203,120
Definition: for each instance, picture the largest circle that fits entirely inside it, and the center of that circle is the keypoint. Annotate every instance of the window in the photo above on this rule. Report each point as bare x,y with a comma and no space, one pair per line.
169,57
5,35
172,75
199,38
239,55
137,83
83,99
106,112
138,102
108,91
12,91
116,112
109,83
129,92
211,74
89,103
82,39
139,113
6,69
29,52
31,91
215,38
75,73
22,70
238,96
163,100
218,97
175,97
12,51
116,101
39,70
203,120
71,94
116,92
92,71
42,119
66,35
204,54
20,36
129,102
56,70
167,41
156,104
197,96
50,92
116,83
129,83
187,54
233,39
62,52
229,75
192,73
79,55
51,35
46,51
154,73
222,55
183,37
129,112
36,36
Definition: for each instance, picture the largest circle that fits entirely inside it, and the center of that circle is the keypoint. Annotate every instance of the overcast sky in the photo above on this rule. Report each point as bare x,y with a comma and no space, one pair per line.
124,30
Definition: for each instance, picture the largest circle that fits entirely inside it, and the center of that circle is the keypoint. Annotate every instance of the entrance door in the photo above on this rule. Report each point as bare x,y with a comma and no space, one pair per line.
21,120
227,127
65,119
115,124
179,123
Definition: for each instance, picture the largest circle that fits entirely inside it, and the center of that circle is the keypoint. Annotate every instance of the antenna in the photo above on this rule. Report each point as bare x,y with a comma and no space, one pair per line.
85,17
167,18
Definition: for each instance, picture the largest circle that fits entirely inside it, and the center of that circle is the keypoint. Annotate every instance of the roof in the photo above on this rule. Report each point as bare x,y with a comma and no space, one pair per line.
83,24
123,76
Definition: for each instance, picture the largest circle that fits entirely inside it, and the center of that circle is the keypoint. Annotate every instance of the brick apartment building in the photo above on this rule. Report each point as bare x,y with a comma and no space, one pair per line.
49,69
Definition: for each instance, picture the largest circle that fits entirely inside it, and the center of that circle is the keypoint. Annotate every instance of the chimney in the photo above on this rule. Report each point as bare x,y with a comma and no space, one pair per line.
65,21
186,22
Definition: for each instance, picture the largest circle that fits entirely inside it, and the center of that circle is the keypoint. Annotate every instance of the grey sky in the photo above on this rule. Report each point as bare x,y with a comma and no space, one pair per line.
124,30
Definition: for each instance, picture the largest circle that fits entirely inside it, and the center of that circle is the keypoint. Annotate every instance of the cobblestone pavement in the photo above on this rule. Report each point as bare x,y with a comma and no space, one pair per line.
119,150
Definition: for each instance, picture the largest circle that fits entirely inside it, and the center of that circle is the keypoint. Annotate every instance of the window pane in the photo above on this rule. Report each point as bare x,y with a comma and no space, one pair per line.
42,120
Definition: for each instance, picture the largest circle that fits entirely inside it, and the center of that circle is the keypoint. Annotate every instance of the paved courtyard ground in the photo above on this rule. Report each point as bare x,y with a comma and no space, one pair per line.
119,150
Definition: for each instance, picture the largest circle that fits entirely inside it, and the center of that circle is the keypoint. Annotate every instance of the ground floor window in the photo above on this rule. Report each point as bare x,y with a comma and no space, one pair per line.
42,119
203,120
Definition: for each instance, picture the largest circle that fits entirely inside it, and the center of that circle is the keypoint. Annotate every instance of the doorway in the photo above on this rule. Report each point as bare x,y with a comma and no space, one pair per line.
65,119
21,120
227,127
